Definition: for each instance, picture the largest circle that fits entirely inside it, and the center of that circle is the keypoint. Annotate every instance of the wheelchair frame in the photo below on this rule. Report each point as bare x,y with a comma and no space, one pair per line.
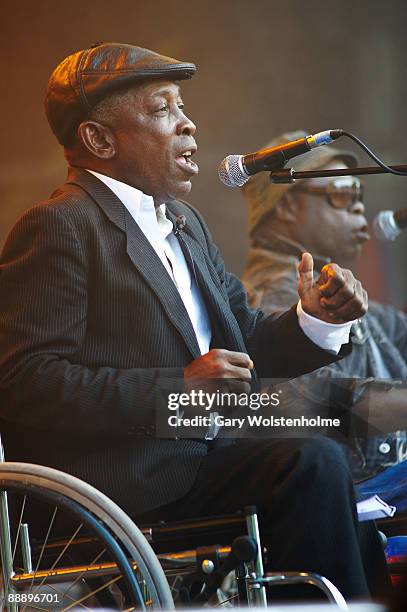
245,557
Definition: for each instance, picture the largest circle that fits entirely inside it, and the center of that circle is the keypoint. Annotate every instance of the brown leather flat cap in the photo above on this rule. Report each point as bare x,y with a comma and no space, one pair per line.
84,78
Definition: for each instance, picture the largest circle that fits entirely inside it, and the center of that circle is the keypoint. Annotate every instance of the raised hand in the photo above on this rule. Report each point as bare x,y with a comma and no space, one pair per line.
336,297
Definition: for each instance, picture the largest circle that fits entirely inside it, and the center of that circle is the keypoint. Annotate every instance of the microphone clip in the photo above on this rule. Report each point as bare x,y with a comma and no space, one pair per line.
282,177
180,223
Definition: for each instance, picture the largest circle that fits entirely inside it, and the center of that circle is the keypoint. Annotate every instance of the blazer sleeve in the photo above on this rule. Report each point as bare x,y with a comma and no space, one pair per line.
276,343
43,320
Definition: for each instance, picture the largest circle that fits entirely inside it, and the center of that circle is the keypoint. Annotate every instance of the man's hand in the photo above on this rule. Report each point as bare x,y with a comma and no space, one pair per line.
336,297
220,364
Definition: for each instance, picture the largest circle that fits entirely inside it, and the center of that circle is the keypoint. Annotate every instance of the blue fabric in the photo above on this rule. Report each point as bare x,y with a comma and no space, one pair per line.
390,485
396,547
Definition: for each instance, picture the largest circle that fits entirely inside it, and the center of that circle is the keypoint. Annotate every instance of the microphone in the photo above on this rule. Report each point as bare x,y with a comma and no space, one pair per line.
235,170
180,223
387,225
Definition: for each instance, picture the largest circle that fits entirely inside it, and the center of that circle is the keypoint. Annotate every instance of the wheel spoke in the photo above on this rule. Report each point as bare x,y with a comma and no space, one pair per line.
50,586
61,554
42,552
85,597
65,593
124,546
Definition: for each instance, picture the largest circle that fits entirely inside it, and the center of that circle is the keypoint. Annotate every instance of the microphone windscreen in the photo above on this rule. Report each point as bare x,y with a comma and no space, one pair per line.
231,172
385,226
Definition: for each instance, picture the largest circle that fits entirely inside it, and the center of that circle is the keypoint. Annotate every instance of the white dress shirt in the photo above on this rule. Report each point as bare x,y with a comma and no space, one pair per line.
158,230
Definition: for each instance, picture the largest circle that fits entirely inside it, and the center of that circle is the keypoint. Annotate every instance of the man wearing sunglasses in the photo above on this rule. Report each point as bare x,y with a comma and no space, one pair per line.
326,216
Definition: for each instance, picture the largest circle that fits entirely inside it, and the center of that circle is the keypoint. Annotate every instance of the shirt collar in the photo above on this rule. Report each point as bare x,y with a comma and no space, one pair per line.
139,205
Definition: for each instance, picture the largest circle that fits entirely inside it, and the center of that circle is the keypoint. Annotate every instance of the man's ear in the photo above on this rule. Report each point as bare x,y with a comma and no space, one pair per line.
286,209
97,139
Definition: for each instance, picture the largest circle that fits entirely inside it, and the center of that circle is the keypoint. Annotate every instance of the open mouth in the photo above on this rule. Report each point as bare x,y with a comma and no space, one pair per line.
362,234
186,163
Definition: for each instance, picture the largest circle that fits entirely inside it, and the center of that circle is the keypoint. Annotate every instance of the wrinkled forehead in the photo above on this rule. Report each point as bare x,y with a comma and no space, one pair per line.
158,87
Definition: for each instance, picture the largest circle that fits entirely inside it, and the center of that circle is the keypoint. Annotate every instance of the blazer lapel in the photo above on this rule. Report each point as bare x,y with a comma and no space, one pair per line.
103,196
142,256
208,281
156,276
229,333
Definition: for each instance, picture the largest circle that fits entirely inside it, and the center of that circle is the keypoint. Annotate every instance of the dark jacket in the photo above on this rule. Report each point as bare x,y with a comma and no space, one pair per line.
271,279
91,324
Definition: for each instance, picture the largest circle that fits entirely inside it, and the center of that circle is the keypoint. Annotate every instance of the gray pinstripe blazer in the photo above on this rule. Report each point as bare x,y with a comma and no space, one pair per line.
90,322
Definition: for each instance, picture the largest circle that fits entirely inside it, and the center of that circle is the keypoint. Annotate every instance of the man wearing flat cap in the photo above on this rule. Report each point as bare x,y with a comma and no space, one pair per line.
114,284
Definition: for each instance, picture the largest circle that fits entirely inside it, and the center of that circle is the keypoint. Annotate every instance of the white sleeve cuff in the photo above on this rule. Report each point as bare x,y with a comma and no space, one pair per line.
328,336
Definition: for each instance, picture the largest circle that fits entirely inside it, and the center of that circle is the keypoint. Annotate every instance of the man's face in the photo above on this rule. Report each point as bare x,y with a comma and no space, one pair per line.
154,139
337,233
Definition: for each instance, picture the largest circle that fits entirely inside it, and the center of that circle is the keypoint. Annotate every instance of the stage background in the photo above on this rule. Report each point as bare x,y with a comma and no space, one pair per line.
264,67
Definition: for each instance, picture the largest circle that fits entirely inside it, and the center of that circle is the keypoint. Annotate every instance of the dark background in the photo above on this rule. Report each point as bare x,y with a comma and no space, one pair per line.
265,67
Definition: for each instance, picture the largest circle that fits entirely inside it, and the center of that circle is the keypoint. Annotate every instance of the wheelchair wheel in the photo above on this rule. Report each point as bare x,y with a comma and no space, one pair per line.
66,546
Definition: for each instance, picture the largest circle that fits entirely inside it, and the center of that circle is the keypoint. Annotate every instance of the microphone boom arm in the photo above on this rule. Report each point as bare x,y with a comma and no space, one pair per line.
289,175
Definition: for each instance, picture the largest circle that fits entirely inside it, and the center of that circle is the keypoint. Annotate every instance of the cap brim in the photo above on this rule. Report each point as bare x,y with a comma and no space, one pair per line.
317,158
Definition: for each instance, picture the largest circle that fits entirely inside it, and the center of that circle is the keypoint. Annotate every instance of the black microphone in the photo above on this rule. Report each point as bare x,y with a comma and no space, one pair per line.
387,225
235,170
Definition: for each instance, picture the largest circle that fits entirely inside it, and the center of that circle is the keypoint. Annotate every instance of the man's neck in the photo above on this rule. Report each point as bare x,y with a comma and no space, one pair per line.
110,173
281,243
